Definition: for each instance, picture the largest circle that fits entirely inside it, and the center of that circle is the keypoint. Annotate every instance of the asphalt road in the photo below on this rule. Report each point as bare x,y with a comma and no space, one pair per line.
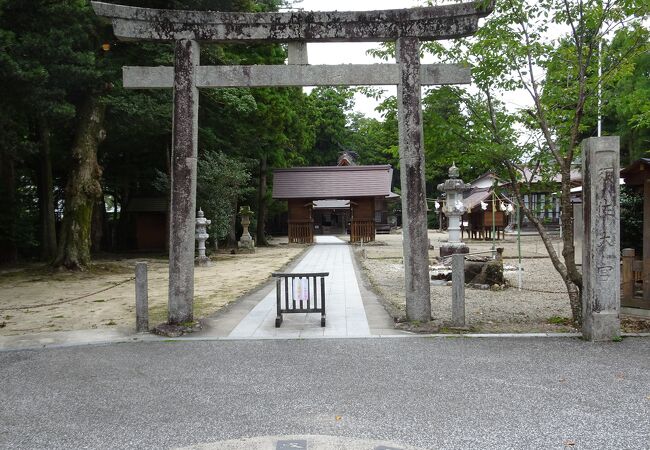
424,392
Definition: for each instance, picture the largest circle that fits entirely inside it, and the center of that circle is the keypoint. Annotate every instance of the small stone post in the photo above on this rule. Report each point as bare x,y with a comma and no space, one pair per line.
627,273
601,293
141,298
201,236
246,243
458,290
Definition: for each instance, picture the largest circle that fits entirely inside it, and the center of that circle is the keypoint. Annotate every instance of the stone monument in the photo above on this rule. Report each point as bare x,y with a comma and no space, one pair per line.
601,276
454,210
201,236
246,243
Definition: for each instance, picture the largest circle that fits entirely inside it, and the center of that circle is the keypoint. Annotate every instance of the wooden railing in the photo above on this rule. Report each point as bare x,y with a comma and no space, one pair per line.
362,230
301,231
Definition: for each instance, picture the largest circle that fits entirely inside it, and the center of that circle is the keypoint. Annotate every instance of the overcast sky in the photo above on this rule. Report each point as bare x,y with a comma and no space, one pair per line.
353,52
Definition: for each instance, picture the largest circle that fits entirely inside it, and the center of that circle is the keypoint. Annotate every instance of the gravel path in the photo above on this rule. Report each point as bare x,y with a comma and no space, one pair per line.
508,310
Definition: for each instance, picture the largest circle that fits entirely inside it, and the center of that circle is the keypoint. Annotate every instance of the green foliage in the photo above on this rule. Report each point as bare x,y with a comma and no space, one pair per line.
222,181
627,105
328,115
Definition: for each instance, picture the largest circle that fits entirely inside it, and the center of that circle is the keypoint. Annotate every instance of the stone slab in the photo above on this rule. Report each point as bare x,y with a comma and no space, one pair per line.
428,23
601,297
136,77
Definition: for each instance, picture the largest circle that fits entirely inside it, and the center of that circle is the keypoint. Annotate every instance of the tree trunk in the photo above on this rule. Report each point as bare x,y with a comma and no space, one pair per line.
46,194
574,277
83,188
261,202
8,212
573,287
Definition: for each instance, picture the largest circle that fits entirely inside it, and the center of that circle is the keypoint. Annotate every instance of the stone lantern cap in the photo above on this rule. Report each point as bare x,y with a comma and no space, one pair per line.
453,183
453,171
245,211
200,218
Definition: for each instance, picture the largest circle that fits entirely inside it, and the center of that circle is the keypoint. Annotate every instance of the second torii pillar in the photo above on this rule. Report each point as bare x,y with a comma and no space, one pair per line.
414,202
183,182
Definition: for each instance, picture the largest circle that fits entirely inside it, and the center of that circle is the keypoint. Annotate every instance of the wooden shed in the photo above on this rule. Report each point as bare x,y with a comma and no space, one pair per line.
637,175
479,221
148,223
361,186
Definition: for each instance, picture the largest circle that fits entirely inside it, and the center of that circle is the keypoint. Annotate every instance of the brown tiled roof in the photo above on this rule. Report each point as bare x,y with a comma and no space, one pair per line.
336,182
636,173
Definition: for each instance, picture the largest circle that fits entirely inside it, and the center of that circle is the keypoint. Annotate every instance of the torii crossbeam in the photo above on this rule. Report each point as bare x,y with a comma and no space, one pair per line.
407,27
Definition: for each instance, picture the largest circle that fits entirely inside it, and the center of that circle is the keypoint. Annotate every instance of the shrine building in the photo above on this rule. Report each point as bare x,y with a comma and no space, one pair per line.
335,200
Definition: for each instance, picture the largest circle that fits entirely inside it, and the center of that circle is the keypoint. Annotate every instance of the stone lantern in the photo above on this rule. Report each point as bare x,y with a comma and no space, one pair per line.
246,243
454,210
201,236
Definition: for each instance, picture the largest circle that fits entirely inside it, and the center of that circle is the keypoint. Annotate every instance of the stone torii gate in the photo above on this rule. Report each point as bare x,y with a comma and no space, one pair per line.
406,27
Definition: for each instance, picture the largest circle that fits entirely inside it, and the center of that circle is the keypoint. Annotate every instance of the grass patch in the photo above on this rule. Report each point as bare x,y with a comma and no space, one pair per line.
158,313
111,323
558,320
58,317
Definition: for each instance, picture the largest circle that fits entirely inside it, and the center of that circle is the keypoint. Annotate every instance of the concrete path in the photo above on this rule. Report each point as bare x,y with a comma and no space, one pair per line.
346,316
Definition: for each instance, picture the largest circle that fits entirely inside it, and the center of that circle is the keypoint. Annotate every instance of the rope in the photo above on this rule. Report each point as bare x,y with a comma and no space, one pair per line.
540,290
62,301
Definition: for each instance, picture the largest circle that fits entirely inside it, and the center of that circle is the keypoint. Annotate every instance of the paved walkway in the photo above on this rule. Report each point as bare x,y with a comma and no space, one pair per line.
346,316
352,311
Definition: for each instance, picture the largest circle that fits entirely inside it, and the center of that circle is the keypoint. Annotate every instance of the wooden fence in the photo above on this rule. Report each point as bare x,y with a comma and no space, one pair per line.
301,231
362,231
632,281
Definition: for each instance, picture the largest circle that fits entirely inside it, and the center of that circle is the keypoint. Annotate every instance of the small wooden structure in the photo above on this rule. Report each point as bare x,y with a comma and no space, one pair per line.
148,223
479,221
362,186
637,174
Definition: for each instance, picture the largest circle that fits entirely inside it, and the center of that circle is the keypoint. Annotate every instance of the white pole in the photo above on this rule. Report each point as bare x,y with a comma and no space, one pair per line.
519,280
600,86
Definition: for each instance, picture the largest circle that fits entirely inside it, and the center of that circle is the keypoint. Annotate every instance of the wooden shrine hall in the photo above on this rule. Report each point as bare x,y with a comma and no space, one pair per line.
366,188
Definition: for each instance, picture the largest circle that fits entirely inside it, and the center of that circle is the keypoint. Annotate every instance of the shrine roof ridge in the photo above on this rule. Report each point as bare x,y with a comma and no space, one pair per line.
426,23
336,168
332,182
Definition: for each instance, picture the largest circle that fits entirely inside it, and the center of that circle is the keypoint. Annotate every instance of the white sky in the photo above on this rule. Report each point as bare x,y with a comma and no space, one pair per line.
353,52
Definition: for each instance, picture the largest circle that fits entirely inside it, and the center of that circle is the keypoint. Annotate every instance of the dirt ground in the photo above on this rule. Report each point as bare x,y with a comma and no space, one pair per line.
542,304
36,299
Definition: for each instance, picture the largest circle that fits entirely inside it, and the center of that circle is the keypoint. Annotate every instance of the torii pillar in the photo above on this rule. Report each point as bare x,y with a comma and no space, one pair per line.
407,27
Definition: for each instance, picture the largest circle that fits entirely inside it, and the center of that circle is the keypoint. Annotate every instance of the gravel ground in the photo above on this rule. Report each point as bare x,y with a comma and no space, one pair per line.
541,306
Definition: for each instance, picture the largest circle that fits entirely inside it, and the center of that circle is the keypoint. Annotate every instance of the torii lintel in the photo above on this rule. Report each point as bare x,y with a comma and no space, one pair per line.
426,23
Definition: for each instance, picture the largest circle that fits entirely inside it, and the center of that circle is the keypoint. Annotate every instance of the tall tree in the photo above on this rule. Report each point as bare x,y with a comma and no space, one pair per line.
515,50
627,108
